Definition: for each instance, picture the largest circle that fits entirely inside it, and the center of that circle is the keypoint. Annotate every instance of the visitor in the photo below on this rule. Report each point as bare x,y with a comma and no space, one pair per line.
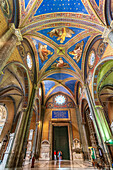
55,155
59,155
93,157
33,162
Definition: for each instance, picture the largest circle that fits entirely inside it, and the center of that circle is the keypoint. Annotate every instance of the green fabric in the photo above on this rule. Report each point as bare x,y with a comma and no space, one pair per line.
93,154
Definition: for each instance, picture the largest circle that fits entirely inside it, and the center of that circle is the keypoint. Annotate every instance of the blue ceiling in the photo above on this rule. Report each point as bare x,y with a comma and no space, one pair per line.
59,76
72,48
54,38
71,85
56,61
59,26
41,64
48,85
50,6
60,89
97,1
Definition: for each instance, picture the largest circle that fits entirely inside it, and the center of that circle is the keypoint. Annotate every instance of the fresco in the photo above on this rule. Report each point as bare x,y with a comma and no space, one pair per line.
48,85
61,33
50,6
71,85
59,76
77,52
43,52
60,88
60,64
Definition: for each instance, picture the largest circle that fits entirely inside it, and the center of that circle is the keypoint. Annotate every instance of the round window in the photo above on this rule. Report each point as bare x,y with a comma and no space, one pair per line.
29,61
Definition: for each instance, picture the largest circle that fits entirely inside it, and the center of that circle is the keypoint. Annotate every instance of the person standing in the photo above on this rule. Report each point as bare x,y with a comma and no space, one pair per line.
93,156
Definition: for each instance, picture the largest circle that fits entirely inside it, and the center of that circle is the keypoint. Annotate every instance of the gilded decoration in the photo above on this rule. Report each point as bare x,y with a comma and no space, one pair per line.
6,8
21,50
101,48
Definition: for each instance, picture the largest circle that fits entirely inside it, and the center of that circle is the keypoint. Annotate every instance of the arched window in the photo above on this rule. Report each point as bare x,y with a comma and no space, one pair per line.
3,116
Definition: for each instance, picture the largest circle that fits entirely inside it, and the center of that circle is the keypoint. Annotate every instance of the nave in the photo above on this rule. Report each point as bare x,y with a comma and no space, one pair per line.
61,165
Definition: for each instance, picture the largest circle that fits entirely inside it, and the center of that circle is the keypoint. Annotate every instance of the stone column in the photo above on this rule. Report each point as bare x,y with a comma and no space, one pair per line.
106,133
17,152
35,138
104,124
24,138
82,134
8,43
42,113
93,113
16,141
50,138
96,122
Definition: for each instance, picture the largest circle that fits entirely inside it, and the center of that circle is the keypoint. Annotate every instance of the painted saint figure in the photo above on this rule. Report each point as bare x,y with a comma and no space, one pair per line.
77,52
61,33
43,52
60,64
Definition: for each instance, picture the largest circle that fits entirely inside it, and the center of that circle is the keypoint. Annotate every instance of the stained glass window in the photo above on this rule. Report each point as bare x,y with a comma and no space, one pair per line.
60,99
29,61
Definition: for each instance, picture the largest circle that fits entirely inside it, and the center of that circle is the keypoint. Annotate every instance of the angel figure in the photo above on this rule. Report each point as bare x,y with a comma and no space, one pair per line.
43,52
61,33
77,52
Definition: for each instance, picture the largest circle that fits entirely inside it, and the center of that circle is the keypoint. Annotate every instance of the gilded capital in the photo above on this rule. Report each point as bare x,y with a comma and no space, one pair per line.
108,34
16,32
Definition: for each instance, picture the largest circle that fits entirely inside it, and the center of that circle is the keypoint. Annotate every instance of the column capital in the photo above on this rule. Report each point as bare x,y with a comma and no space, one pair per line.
16,32
98,107
108,34
105,34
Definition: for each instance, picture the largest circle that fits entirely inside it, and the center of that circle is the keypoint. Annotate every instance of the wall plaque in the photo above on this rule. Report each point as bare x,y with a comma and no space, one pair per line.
60,114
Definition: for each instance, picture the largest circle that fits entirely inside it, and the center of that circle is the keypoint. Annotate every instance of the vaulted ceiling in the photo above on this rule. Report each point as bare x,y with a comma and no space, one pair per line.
60,33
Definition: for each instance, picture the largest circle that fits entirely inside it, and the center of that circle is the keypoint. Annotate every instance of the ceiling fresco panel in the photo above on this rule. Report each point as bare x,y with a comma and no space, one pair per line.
60,63
48,85
56,34
44,52
60,89
50,6
97,1
76,51
71,85
59,76
26,3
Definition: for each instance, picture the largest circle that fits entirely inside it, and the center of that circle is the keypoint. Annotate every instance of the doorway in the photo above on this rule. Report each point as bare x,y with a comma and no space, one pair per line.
61,141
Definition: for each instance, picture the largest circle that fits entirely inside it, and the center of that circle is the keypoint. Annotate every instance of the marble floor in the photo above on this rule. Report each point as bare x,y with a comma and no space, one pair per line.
61,165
